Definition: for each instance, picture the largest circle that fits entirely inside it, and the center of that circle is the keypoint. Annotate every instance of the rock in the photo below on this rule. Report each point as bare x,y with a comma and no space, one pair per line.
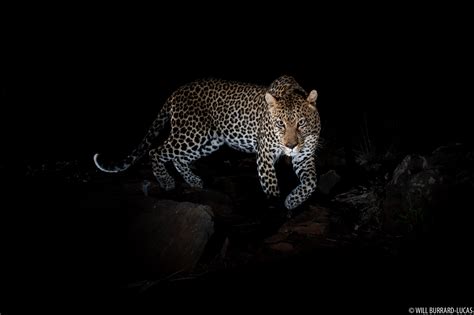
364,206
420,185
239,188
309,223
419,188
303,233
327,181
170,236
276,238
408,194
411,164
311,229
220,203
315,213
282,247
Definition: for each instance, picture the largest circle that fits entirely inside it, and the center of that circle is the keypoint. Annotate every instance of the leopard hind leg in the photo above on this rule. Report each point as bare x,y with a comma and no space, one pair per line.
158,160
182,153
190,152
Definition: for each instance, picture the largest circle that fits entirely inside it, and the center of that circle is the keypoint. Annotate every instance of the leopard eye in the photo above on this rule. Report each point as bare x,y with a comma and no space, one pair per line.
301,122
280,124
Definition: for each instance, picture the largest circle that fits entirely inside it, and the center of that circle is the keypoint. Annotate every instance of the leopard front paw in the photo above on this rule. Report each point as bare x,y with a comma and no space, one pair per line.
292,202
195,182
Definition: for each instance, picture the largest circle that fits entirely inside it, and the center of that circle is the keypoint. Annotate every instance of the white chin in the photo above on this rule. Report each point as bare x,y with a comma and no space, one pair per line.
290,152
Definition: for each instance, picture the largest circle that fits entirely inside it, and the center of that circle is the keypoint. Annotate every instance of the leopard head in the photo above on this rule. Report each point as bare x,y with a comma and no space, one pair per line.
295,120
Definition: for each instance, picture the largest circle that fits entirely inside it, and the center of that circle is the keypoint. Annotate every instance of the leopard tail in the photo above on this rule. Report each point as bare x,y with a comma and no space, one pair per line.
153,132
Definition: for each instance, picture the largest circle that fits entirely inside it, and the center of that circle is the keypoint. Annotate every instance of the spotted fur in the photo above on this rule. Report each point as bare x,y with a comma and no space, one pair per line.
280,119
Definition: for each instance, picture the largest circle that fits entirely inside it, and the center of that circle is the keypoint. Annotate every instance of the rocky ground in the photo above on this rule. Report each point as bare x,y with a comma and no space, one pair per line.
69,228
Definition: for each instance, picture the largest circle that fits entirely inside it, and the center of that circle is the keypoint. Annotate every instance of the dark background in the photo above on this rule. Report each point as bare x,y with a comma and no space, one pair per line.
80,80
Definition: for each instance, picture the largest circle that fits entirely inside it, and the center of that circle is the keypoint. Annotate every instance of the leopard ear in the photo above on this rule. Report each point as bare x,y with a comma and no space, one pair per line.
271,101
313,95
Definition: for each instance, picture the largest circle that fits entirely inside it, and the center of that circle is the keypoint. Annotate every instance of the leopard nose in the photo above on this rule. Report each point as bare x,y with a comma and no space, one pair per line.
291,145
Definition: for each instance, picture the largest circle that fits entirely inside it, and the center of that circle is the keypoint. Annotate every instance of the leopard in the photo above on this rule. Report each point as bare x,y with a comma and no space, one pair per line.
271,121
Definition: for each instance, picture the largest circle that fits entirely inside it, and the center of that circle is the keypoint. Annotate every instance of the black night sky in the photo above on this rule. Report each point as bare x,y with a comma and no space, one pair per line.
77,83
86,82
